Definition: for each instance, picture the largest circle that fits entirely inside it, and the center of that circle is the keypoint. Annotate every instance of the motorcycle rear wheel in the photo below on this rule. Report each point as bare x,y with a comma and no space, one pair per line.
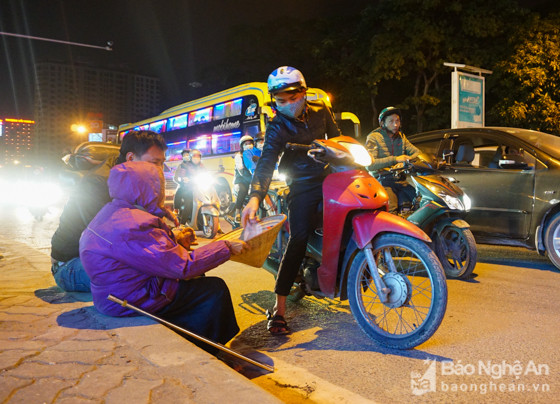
456,250
418,297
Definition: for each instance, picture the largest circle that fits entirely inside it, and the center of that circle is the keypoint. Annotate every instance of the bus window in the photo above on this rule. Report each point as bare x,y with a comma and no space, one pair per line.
178,122
202,143
158,126
174,150
252,129
226,142
228,109
200,116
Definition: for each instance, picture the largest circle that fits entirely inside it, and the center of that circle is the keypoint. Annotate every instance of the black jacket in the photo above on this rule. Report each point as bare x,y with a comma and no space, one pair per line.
89,195
317,123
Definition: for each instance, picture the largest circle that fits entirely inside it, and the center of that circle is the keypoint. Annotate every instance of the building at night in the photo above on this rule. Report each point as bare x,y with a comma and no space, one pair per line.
82,96
16,140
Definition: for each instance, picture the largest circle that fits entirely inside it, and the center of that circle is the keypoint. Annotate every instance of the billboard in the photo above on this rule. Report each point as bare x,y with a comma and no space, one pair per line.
467,100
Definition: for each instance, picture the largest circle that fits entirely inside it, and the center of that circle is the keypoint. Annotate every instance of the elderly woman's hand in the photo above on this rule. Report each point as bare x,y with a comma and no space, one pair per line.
185,236
237,247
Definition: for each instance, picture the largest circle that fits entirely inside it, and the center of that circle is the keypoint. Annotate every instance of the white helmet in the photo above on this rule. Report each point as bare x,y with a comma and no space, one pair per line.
285,78
246,138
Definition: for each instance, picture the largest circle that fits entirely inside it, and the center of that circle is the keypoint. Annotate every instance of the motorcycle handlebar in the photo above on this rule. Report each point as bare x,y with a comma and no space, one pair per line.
297,146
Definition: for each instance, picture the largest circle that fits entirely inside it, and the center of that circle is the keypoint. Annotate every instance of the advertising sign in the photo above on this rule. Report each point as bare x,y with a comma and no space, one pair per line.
467,100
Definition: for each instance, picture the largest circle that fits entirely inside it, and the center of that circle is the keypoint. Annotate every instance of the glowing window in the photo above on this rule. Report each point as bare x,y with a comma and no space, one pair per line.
228,109
174,150
158,126
200,116
226,142
202,143
178,122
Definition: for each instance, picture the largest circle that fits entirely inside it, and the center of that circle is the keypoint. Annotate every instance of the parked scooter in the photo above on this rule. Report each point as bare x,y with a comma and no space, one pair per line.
205,214
380,262
439,208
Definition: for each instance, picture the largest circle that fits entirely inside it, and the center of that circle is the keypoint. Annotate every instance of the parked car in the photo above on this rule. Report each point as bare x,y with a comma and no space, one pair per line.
512,177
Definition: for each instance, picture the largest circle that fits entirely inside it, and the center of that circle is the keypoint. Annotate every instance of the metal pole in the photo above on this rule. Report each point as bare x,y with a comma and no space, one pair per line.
124,303
109,46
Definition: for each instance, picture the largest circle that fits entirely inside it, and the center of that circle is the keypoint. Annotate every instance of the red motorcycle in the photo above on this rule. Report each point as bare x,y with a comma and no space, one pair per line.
380,262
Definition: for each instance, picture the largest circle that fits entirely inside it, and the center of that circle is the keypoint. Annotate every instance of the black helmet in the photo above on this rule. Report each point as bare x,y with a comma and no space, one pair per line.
387,112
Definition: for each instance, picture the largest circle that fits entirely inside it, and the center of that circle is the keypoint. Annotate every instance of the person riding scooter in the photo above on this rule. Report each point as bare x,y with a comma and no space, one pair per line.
297,120
184,175
388,146
242,176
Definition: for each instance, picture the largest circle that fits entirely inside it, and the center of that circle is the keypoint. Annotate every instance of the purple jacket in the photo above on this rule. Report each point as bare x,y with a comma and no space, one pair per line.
129,252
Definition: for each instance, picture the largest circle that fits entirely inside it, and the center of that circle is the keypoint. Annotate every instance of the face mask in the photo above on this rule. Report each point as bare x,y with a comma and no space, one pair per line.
186,159
196,160
248,147
292,110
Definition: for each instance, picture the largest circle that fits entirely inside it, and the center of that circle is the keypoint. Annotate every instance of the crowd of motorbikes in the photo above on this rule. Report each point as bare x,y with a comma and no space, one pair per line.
390,267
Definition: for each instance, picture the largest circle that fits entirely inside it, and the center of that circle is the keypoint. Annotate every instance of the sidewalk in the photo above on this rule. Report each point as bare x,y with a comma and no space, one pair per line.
55,347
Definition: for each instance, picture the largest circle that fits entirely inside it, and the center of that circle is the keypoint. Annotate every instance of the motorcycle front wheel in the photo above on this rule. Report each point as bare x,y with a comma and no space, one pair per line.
456,250
417,299
212,225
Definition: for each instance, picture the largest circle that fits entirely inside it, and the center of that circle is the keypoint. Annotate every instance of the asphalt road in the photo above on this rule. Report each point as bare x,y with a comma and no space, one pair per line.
497,342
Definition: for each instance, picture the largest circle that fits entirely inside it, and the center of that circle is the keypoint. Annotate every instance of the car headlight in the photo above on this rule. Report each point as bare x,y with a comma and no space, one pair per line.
453,202
359,153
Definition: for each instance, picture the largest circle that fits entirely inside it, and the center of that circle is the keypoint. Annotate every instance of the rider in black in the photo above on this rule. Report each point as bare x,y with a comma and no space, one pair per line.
298,121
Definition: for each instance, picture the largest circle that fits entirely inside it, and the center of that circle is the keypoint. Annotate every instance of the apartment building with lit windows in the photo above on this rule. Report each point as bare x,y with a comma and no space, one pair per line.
16,140
69,94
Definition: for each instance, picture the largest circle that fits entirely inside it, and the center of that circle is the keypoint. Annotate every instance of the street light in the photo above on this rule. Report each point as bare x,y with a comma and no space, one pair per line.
78,128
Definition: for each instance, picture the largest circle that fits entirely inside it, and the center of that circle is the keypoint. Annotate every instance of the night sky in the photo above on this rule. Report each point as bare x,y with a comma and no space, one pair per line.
169,39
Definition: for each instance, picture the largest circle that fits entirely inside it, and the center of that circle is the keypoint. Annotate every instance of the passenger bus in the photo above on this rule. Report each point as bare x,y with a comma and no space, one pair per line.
214,124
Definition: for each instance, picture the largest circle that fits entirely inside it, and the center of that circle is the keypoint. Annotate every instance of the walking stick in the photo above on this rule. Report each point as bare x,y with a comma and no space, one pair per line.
124,303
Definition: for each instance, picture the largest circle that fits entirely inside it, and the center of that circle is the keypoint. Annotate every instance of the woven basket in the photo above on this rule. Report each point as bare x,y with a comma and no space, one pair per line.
260,245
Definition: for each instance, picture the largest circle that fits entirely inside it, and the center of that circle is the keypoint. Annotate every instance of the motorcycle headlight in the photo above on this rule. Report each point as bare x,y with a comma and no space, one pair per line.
204,180
359,153
453,202
467,202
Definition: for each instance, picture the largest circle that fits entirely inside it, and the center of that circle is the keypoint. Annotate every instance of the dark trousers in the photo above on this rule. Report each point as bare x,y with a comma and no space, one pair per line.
242,192
399,192
303,201
183,201
203,306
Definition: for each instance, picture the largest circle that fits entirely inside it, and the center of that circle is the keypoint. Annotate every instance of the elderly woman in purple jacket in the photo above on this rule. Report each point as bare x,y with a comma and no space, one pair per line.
128,251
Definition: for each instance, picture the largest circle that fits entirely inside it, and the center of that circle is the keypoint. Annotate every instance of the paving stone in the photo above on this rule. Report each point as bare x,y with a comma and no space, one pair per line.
82,357
55,334
27,345
81,345
138,391
11,358
98,382
41,391
174,392
9,385
32,370
34,310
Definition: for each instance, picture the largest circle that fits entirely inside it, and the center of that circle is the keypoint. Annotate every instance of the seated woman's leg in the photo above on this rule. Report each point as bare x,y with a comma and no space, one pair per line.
203,306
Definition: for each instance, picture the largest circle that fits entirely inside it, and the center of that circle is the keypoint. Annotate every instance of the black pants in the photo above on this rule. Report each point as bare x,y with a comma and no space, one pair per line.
399,192
242,192
183,201
303,201
203,306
